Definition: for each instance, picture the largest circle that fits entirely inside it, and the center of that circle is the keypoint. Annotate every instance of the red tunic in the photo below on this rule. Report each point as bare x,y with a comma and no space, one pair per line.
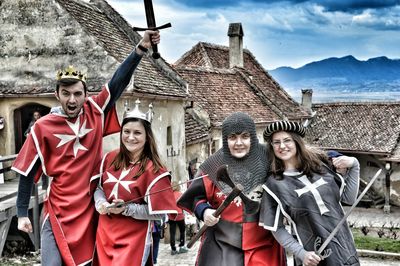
69,149
121,239
237,239
180,216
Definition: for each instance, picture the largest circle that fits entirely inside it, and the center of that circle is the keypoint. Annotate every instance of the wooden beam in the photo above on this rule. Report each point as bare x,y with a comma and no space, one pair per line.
4,227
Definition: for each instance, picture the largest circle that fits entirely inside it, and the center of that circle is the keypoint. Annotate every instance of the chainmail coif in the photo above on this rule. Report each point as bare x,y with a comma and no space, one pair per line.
249,171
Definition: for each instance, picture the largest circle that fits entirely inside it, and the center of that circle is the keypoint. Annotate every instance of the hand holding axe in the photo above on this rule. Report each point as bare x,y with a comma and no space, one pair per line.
222,175
234,193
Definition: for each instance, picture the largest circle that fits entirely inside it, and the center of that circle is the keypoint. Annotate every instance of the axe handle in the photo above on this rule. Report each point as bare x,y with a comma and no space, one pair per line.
234,193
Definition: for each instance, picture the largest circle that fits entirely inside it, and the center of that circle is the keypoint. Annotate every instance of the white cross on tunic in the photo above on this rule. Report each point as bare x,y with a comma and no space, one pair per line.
79,132
118,181
312,187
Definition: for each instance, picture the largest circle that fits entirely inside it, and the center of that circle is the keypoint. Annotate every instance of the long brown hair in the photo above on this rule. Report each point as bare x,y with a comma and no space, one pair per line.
149,152
309,160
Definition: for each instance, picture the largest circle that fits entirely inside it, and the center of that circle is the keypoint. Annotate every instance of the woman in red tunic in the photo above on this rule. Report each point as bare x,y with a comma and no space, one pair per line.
135,177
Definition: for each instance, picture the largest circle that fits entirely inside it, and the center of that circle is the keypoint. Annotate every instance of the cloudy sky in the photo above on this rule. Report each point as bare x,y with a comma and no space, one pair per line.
278,33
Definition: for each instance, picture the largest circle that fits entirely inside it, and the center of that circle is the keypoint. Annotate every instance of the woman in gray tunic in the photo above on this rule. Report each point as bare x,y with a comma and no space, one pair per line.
304,189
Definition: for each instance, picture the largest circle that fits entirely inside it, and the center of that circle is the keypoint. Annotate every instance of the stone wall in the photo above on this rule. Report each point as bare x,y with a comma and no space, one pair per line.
38,37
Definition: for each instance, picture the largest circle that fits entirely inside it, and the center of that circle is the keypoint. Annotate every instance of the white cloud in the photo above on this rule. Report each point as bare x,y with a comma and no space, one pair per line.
363,18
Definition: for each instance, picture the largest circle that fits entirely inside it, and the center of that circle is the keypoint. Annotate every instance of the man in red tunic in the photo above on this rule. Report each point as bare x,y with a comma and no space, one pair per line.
66,145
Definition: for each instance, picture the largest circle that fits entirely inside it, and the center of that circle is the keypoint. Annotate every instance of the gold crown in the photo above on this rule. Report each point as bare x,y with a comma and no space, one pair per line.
71,73
136,113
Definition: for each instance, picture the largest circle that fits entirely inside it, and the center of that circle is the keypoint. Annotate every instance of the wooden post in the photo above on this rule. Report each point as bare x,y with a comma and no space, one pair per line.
386,208
36,218
4,226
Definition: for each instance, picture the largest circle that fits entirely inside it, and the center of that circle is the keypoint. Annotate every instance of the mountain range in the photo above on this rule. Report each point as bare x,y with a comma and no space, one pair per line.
343,79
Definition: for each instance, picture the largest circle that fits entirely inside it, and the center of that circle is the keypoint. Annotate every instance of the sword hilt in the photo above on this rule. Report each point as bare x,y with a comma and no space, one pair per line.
166,25
154,47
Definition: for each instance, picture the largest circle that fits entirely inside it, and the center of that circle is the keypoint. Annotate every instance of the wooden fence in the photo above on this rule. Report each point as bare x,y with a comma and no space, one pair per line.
8,208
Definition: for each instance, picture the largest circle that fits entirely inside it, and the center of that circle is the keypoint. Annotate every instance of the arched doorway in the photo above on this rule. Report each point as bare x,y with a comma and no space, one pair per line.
22,118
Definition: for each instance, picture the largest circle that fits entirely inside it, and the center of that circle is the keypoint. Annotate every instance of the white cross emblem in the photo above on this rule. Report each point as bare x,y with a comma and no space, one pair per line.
118,181
78,133
312,187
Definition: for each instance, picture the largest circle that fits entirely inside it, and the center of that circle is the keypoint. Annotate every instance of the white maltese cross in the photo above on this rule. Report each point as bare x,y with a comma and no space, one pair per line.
118,181
78,133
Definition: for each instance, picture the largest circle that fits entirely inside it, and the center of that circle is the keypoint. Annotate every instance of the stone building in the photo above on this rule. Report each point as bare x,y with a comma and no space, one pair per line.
38,37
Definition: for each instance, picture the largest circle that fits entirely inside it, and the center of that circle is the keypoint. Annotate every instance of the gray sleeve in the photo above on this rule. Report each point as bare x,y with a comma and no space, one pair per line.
352,180
288,242
140,212
99,197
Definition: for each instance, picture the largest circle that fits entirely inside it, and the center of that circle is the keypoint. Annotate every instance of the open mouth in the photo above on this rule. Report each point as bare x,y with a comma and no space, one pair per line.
71,108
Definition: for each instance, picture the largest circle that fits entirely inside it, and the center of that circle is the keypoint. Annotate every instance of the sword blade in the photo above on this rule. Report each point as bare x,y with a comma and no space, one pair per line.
151,24
150,18
120,204
338,226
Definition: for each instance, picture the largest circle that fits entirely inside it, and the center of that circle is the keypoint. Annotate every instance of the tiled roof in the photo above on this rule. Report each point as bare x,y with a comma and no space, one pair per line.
357,127
221,93
221,90
148,78
194,130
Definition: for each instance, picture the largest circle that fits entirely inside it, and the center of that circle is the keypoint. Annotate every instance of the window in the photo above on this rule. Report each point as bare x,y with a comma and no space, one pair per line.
169,136
214,146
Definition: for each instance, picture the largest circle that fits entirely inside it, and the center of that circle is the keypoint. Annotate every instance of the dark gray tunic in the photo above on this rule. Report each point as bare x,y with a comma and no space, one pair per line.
313,209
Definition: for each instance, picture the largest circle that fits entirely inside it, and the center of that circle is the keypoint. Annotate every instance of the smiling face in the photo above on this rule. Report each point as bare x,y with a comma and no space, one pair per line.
285,148
133,137
72,98
239,144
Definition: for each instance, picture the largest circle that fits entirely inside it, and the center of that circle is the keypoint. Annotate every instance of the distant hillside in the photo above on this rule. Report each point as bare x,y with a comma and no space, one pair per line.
344,75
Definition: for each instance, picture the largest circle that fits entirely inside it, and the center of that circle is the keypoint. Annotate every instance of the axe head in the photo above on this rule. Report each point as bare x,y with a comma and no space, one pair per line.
250,206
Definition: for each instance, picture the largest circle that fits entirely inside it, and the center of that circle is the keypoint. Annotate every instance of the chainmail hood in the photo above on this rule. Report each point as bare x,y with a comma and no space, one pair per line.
249,171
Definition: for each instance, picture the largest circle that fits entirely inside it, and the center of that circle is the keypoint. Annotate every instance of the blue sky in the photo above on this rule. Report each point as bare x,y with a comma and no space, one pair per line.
278,33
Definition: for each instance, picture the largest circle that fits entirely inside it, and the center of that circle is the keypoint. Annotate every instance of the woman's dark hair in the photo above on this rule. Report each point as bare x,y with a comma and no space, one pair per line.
69,82
309,159
150,152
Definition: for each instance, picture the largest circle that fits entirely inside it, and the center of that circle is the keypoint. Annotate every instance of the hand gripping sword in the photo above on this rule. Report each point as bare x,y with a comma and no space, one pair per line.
328,252
151,25
231,196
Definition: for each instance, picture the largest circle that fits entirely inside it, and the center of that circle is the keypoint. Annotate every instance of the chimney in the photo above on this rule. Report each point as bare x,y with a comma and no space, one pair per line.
306,99
235,33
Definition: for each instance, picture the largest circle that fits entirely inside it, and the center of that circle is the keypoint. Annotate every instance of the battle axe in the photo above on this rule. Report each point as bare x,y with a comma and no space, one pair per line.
151,25
250,206
231,196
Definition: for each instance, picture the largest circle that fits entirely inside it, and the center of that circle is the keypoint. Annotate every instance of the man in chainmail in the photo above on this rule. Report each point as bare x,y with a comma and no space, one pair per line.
234,238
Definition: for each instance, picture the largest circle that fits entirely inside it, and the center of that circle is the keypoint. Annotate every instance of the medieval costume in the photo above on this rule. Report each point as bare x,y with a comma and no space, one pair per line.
174,222
125,239
311,204
67,149
236,240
